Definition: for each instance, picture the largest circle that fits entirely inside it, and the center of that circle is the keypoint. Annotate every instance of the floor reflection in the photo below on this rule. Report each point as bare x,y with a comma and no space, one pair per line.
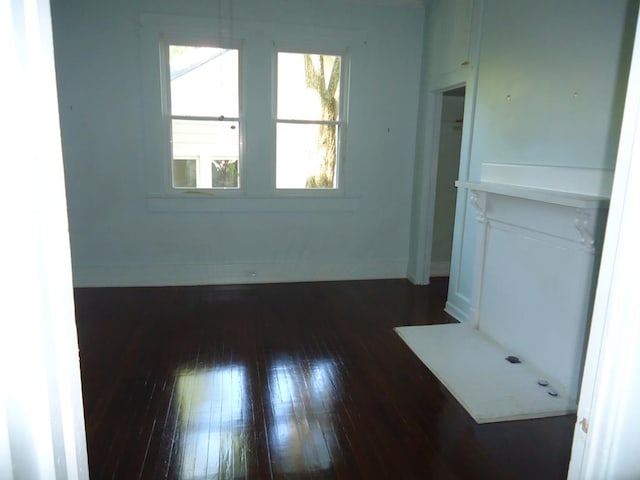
214,422
302,399
215,419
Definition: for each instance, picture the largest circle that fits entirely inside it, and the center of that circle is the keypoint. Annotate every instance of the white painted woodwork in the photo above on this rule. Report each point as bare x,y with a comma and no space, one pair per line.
463,17
488,387
605,443
42,435
534,275
588,181
449,38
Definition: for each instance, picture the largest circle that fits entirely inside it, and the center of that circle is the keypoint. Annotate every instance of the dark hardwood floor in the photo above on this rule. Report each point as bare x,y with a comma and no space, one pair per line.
285,381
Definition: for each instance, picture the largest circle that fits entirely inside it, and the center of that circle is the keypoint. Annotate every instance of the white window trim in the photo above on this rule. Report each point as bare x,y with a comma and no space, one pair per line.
158,32
160,194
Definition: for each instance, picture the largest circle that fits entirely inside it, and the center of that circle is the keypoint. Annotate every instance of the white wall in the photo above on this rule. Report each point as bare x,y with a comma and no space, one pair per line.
550,90
121,237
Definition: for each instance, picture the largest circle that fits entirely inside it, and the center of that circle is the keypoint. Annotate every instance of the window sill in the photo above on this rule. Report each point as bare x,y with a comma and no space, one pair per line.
248,204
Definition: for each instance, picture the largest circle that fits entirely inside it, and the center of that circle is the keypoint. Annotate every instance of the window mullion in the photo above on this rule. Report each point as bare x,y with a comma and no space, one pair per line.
221,118
309,122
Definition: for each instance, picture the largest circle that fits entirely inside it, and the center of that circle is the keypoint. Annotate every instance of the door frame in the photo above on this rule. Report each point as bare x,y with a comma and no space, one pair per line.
605,436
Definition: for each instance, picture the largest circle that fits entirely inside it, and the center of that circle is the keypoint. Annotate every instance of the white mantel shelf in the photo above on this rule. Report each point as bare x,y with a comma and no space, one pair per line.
567,199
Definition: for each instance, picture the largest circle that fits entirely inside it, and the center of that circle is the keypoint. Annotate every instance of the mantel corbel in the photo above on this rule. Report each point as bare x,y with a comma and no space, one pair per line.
479,201
584,225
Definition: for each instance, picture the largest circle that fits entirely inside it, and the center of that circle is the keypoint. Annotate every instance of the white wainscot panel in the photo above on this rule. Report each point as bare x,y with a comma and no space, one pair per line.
534,280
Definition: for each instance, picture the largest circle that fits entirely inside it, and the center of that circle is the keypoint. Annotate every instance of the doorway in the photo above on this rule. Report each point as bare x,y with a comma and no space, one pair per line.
447,170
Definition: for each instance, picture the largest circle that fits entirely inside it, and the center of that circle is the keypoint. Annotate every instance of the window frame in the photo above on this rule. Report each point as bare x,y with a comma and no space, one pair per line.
198,39
257,43
342,123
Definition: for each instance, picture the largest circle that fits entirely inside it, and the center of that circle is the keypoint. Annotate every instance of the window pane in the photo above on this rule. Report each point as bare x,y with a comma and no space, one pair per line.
308,86
224,173
215,143
306,155
184,172
204,81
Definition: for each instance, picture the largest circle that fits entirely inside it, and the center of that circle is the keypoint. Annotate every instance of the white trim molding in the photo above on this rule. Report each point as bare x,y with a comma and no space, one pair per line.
608,420
584,225
588,181
479,201
157,275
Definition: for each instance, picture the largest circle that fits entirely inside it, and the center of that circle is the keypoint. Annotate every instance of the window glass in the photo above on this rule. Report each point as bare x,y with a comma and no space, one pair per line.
306,155
204,81
204,116
305,91
184,172
308,120
215,143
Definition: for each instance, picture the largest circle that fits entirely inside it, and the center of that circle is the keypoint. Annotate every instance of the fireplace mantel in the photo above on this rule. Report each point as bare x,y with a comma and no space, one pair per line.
534,274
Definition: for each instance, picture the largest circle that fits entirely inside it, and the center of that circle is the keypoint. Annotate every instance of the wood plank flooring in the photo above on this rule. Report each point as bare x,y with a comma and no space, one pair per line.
285,381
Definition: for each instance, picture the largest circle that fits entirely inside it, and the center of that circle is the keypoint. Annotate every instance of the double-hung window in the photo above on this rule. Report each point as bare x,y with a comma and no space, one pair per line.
309,120
246,121
203,104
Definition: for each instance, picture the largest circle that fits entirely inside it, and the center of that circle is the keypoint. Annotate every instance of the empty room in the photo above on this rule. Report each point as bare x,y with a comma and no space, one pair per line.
320,239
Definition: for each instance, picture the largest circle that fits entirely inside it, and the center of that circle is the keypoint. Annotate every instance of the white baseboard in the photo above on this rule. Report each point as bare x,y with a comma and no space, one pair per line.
210,274
440,269
587,181
412,278
456,311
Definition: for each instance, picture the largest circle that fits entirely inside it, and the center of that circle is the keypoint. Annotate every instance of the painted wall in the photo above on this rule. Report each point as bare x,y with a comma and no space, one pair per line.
545,90
550,90
121,237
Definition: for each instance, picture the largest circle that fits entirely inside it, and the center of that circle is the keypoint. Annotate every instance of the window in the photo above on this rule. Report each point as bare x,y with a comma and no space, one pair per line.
308,120
204,113
184,172
251,117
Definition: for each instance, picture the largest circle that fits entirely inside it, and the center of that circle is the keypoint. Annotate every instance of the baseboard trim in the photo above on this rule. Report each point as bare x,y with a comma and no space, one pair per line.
230,274
456,312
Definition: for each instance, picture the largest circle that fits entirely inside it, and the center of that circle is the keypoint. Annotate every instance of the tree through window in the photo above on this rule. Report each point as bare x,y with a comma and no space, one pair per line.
309,122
